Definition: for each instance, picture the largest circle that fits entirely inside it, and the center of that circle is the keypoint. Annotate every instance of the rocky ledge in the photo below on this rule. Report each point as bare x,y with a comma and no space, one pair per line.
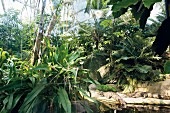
145,94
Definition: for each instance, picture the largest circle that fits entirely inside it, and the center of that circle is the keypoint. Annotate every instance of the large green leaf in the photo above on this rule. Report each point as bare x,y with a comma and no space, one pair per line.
106,23
6,104
123,4
73,56
167,67
10,101
16,100
148,3
61,54
63,51
41,67
32,95
64,100
29,107
124,58
143,69
13,85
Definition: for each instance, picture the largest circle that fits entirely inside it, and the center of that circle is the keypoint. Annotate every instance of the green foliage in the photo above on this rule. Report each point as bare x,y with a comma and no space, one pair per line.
14,35
10,29
54,82
132,57
117,6
148,3
126,52
167,67
106,23
63,98
106,88
96,4
60,76
140,8
3,56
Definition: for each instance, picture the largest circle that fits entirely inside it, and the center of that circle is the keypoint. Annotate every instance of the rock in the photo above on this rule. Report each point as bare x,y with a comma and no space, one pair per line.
137,94
114,96
108,94
144,94
103,70
121,95
156,95
166,97
156,108
146,101
78,106
162,88
167,76
92,87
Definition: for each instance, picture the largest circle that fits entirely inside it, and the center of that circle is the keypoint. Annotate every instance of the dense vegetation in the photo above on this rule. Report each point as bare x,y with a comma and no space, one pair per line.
42,73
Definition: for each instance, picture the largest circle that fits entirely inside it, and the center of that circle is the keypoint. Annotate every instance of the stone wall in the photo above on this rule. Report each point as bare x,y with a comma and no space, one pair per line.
162,87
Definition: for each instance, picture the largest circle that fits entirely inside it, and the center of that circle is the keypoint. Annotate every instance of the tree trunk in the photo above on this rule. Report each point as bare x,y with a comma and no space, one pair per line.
51,25
3,5
37,47
55,8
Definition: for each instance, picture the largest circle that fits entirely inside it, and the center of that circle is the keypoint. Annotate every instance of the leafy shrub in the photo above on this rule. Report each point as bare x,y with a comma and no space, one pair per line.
106,88
132,58
128,54
48,87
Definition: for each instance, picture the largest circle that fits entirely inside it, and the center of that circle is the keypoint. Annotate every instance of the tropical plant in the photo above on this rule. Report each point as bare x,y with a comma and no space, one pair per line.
15,37
51,80
56,75
3,62
46,87
140,8
125,51
10,30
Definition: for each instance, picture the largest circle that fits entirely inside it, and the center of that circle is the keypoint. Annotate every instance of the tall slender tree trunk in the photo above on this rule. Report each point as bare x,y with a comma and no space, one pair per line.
37,47
55,8
51,25
3,5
